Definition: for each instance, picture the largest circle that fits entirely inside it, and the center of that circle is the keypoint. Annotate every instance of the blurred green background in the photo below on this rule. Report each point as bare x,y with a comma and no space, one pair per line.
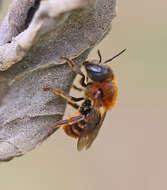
130,152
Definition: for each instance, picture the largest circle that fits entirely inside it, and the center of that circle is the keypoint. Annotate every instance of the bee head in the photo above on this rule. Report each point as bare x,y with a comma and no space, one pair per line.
98,71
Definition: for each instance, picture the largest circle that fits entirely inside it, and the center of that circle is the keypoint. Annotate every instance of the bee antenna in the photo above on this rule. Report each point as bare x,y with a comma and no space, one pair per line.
109,60
99,54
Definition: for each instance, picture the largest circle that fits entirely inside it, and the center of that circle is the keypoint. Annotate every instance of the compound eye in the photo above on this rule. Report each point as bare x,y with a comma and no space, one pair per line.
94,68
97,72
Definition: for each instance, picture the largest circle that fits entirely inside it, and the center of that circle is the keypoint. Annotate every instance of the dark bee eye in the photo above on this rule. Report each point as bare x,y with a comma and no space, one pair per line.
97,72
94,68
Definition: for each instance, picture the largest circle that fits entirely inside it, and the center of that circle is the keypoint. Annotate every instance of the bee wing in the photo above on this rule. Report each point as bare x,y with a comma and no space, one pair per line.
91,131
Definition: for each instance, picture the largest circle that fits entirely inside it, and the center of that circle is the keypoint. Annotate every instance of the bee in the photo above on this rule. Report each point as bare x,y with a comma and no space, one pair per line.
100,95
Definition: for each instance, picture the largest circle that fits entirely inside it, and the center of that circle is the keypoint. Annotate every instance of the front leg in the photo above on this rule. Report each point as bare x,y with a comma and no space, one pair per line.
77,70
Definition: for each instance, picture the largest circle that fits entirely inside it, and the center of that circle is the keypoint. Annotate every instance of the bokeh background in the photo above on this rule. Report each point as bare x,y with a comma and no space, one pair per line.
130,152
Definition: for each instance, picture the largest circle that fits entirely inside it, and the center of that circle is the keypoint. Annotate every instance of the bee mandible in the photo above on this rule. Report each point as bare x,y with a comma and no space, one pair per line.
100,95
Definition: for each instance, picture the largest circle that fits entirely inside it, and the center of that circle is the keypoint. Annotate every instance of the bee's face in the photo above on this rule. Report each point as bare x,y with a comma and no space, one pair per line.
97,72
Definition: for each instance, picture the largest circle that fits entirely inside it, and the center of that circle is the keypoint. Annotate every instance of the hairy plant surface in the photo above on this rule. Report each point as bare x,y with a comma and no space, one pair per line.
33,36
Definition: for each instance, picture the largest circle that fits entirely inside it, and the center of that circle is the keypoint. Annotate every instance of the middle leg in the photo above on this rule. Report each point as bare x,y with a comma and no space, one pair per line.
70,99
77,88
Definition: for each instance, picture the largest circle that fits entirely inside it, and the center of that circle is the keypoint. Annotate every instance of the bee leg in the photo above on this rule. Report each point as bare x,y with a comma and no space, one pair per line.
70,99
82,81
77,88
76,69
70,120
64,123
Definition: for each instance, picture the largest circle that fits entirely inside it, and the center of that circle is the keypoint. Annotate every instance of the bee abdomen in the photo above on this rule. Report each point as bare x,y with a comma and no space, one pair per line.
75,129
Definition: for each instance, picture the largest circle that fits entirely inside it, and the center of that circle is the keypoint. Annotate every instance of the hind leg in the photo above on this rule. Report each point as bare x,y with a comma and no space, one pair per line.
66,122
70,120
